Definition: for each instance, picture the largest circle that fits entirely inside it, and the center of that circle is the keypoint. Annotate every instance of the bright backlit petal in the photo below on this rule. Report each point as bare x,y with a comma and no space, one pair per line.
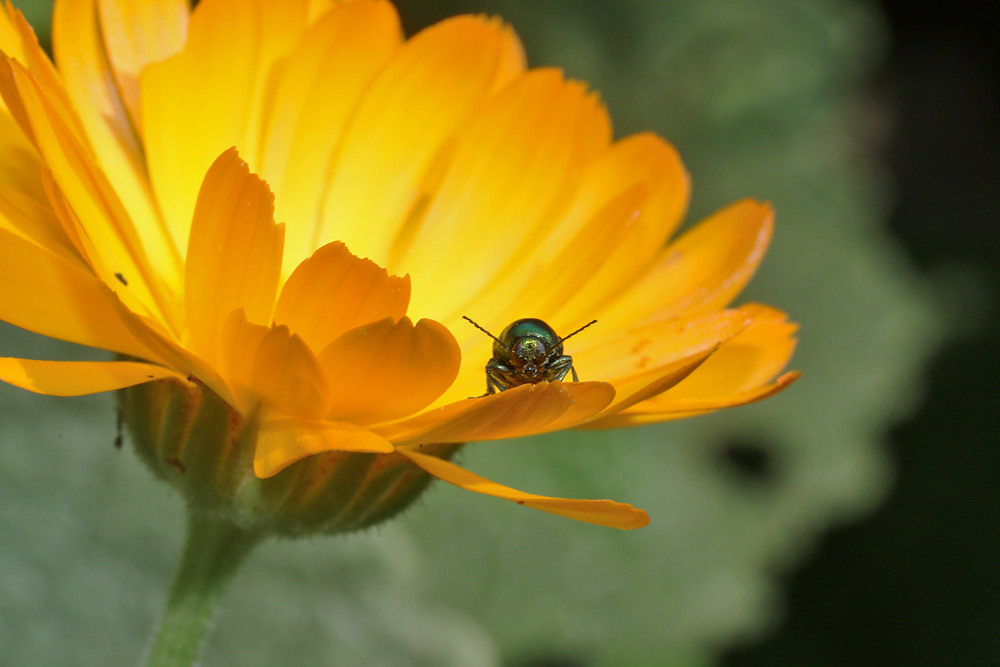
333,292
510,171
426,94
281,443
234,255
600,512
319,87
287,375
114,245
77,378
137,33
92,87
387,370
704,269
644,159
25,217
211,96
58,297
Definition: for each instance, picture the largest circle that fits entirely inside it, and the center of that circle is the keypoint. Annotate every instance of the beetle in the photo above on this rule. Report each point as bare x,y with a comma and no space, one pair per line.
528,351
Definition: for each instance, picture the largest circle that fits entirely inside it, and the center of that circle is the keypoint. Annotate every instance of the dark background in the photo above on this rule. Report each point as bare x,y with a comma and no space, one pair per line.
918,582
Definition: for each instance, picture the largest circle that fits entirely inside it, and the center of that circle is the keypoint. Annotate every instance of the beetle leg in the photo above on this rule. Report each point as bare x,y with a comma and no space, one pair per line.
497,378
560,367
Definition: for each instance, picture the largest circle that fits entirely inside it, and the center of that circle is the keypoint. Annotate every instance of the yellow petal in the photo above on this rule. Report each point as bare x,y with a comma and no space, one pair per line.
648,413
644,159
319,88
647,385
426,93
509,414
91,85
600,512
10,38
516,163
618,356
114,246
234,255
287,375
54,296
240,342
704,269
19,161
384,371
137,33
211,96
333,292
33,221
281,443
755,356
76,378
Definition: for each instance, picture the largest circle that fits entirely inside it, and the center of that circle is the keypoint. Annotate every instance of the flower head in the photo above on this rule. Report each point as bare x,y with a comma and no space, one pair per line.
143,177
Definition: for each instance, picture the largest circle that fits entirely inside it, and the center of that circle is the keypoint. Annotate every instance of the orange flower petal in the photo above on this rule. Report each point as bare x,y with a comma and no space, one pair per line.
384,371
137,33
639,159
114,245
333,292
240,341
58,297
600,512
210,96
234,255
77,378
749,360
641,388
636,352
287,374
426,93
318,89
519,411
511,168
92,86
704,269
681,409
33,221
281,443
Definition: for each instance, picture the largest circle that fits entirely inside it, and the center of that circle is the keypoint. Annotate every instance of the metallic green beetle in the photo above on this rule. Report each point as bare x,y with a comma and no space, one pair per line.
528,351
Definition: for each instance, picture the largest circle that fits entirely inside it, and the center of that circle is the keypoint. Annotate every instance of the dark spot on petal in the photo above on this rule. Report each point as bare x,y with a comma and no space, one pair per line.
642,363
121,279
520,502
641,345
177,463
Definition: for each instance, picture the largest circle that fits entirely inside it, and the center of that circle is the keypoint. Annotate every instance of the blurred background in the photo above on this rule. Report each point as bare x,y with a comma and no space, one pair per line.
849,521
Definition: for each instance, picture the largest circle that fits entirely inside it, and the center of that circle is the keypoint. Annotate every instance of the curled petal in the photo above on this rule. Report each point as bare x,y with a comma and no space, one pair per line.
77,378
600,512
387,370
524,410
286,373
333,292
642,350
234,252
702,270
280,443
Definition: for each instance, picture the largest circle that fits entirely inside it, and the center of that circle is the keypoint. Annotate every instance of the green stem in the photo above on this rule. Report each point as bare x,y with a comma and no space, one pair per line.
213,552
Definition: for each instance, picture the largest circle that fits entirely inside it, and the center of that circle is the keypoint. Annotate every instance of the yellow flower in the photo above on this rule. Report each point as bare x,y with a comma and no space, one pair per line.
137,215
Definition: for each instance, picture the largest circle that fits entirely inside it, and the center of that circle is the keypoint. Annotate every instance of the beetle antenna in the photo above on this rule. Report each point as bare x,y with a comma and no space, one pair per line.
494,337
575,332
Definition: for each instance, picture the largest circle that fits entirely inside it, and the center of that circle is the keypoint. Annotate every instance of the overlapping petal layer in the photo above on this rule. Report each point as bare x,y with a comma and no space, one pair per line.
215,193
